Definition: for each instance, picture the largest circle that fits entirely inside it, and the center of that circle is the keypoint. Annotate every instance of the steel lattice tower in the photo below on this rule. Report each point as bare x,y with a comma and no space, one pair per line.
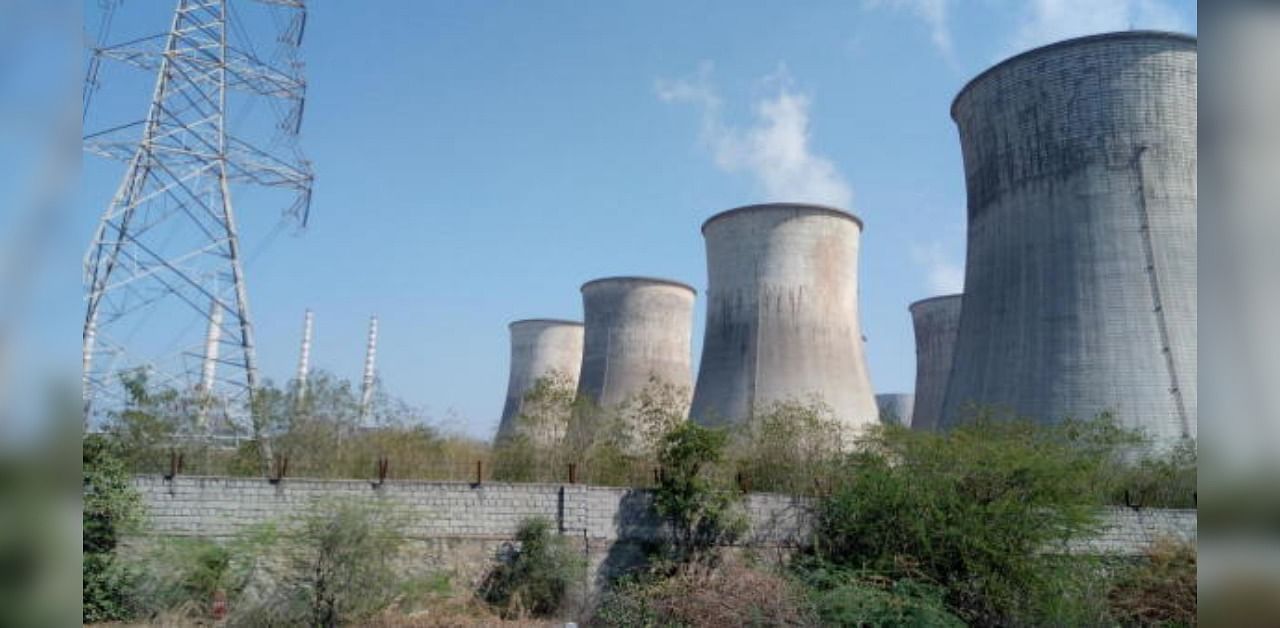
167,250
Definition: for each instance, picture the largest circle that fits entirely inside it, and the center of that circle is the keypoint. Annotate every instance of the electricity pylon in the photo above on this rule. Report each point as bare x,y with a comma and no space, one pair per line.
164,274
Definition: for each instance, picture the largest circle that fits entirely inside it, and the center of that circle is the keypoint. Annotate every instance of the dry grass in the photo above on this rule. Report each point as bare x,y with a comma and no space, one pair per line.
729,595
1161,590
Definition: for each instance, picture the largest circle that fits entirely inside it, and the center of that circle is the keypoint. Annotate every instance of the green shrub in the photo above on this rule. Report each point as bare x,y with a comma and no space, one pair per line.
337,568
626,604
905,603
538,575
699,513
786,446
111,507
184,576
1162,480
975,510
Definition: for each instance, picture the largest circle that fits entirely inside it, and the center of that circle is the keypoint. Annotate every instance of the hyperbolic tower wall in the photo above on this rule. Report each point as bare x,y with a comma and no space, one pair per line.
1080,283
936,321
782,314
540,348
637,329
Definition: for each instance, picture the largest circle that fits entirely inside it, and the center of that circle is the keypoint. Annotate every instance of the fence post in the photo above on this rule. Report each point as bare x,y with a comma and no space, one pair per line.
573,473
479,472
282,469
175,464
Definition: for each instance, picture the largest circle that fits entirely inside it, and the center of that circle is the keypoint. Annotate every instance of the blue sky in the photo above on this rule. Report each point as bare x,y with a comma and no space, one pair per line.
477,161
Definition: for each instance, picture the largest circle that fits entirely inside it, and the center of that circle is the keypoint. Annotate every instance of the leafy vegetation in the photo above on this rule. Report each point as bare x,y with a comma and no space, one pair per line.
698,513
985,502
911,528
111,507
319,434
616,446
536,578
846,598
786,446
338,568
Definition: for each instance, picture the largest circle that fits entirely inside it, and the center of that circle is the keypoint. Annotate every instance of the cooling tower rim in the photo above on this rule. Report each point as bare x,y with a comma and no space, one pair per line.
929,300
1066,43
640,279
827,209
546,321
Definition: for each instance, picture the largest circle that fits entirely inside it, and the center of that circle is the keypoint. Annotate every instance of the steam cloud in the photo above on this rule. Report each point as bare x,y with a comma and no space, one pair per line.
774,149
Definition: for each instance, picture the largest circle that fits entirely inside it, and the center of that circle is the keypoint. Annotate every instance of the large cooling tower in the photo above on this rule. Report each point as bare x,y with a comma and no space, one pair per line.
782,314
1080,284
896,408
539,348
936,321
637,329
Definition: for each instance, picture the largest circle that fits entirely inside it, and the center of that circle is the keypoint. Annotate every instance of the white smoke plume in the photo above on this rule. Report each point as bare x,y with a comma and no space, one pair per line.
774,149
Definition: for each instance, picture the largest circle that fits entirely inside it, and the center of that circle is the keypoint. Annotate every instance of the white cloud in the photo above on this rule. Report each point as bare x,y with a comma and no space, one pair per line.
1047,21
774,149
943,275
934,15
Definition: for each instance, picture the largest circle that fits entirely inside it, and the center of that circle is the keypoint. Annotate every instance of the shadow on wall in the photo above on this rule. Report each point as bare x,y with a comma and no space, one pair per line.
638,530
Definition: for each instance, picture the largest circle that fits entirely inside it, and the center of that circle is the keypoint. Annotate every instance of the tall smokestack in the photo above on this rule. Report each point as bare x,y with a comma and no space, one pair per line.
304,356
539,348
936,321
782,314
209,365
1080,283
212,336
636,328
366,385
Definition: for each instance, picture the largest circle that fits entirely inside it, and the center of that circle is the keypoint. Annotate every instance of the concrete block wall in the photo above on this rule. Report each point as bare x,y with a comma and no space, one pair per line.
443,512
1128,532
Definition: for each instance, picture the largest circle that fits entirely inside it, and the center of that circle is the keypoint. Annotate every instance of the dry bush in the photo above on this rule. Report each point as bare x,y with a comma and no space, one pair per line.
1160,589
729,595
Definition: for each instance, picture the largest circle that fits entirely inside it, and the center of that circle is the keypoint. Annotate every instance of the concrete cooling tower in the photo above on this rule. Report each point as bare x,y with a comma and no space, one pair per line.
539,348
1080,283
782,314
936,321
637,328
895,408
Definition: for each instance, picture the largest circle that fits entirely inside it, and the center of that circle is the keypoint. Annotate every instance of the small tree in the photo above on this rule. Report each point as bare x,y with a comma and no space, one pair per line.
651,414
338,568
698,515
535,447
787,445
537,576
151,422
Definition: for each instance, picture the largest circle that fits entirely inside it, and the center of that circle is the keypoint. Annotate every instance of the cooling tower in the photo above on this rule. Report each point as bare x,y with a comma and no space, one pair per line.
539,348
782,314
895,408
936,321
637,328
1080,283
